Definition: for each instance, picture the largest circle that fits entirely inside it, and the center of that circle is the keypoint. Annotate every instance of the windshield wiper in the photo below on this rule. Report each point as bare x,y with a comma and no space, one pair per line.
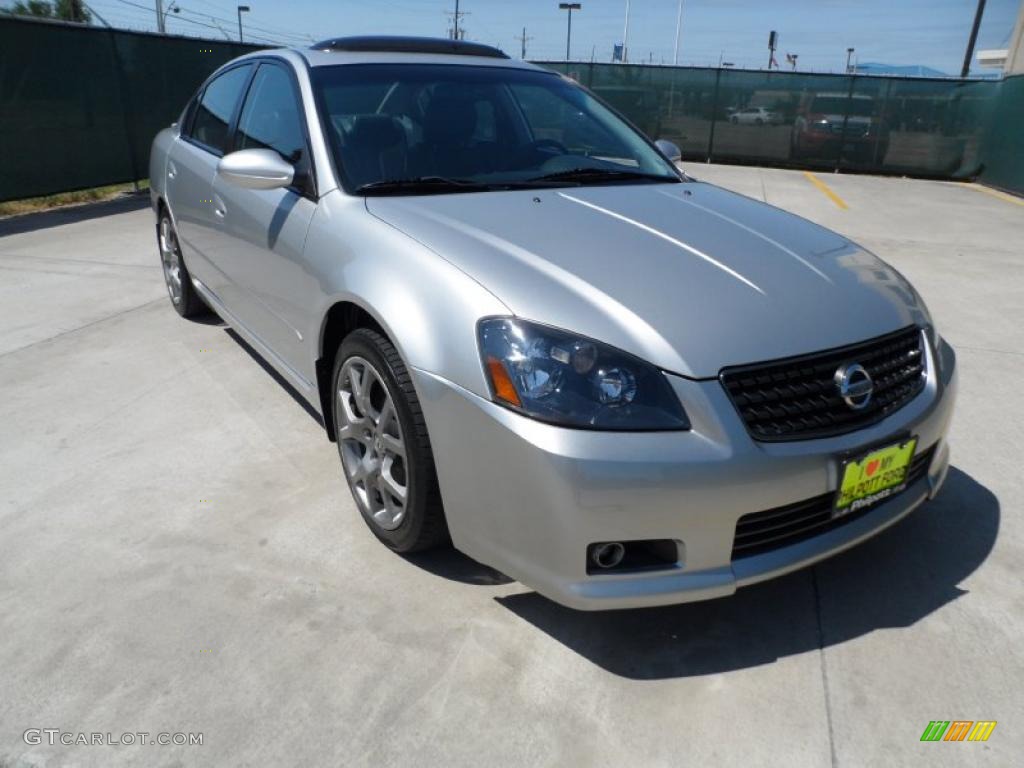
427,184
588,175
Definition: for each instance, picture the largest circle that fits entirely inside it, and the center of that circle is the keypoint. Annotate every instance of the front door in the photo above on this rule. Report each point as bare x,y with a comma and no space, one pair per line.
264,230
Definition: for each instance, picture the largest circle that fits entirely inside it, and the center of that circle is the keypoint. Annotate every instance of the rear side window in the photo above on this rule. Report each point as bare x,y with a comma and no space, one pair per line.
213,115
270,118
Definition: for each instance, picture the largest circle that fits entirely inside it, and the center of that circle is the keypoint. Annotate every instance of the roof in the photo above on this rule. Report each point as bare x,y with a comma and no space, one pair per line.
913,70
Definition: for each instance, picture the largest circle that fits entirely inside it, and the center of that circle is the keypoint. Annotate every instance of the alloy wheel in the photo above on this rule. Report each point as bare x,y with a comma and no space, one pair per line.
373,450
170,259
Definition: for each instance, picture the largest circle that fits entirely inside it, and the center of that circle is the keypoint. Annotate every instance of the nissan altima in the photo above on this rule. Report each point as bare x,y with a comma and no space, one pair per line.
533,337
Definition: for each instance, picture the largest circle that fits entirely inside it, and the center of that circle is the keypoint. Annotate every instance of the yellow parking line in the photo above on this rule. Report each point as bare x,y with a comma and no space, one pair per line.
823,187
993,192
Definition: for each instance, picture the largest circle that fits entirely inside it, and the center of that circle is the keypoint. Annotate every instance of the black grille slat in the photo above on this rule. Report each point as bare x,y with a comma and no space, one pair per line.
796,399
770,529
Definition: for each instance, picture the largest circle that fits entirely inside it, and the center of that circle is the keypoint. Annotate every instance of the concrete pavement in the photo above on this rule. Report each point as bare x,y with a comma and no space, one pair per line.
178,552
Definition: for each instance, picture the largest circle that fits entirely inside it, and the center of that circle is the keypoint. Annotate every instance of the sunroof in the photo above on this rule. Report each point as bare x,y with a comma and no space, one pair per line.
395,44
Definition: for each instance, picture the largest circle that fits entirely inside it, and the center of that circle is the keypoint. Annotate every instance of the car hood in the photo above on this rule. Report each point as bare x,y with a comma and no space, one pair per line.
688,276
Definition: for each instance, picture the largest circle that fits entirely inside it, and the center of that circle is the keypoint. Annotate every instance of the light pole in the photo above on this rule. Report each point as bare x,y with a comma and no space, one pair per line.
241,9
172,8
973,39
625,37
570,7
679,23
849,53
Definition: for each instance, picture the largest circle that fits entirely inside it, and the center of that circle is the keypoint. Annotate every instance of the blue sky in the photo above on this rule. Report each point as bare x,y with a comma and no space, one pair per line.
929,32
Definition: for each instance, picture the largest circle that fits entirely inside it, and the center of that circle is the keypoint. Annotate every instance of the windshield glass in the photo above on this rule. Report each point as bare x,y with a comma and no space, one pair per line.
838,105
486,127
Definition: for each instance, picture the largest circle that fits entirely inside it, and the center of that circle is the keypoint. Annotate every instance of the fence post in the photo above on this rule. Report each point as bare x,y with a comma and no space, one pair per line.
846,116
126,107
881,119
714,116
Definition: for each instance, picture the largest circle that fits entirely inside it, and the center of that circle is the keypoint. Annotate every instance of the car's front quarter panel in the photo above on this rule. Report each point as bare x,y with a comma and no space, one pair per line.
427,306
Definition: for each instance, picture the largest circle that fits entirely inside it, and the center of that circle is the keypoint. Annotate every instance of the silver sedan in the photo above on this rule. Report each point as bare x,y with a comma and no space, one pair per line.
532,336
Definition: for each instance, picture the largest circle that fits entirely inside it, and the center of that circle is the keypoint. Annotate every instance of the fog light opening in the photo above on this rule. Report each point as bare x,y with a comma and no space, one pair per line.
615,557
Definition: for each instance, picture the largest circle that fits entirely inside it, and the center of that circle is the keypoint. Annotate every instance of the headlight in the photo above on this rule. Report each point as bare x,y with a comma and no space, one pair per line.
558,377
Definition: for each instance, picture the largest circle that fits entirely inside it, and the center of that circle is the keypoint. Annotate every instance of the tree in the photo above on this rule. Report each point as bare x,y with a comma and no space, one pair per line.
66,10
38,8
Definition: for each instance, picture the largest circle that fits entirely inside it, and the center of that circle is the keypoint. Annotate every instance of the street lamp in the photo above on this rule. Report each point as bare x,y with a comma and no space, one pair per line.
679,24
570,7
849,53
172,8
241,9
625,37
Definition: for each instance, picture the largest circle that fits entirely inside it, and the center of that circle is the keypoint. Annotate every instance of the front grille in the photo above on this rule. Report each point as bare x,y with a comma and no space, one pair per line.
771,529
797,398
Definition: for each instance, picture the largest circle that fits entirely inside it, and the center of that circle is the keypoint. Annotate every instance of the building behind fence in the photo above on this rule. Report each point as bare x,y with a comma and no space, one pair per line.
79,107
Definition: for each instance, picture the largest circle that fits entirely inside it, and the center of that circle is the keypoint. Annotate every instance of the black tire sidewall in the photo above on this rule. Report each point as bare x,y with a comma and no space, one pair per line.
419,464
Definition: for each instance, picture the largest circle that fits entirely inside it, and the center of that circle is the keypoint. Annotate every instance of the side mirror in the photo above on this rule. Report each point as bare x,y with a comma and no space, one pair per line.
256,169
669,150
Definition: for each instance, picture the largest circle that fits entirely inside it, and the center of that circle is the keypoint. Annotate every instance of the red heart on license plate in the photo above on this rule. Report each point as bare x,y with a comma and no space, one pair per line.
872,467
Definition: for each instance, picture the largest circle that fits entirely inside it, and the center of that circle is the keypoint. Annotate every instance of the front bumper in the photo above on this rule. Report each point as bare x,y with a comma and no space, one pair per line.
527,498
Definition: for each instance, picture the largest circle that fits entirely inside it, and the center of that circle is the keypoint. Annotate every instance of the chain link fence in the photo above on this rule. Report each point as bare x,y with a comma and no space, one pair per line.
79,107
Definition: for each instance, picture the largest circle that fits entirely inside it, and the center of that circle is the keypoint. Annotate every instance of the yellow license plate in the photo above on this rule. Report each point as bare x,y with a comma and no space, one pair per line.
874,477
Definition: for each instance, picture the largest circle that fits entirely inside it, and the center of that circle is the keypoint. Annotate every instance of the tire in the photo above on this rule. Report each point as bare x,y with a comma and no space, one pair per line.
759,121
184,298
368,374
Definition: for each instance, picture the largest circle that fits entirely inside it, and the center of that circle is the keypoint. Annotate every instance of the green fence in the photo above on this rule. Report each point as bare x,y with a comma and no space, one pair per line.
876,124
79,106
1003,155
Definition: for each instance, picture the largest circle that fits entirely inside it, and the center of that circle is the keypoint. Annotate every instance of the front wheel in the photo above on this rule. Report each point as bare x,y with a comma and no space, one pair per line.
384,447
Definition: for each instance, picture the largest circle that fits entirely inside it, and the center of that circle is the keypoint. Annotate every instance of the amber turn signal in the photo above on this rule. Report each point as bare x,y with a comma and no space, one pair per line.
502,385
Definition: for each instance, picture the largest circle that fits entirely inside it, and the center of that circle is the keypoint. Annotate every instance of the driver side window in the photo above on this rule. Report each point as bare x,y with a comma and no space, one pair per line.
270,117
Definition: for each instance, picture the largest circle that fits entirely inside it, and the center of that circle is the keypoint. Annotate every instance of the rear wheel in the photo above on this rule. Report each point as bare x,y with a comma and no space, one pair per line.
384,447
183,295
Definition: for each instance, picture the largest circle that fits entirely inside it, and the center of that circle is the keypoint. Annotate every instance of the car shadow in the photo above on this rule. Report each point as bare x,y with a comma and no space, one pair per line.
269,370
451,564
70,214
893,580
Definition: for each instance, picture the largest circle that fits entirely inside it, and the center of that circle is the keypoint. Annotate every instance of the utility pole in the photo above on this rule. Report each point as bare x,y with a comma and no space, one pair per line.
160,17
241,9
679,23
457,32
625,37
523,39
570,7
849,53
973,39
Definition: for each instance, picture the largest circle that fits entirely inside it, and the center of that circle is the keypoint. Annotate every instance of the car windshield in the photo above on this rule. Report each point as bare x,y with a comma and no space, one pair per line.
423,129
839,105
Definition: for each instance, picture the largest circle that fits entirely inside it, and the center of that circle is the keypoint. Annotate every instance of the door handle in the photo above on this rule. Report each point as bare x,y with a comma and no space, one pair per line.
219,209
172,171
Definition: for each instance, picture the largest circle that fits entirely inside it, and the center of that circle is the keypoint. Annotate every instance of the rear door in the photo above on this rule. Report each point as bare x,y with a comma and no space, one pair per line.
263,231
191,168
